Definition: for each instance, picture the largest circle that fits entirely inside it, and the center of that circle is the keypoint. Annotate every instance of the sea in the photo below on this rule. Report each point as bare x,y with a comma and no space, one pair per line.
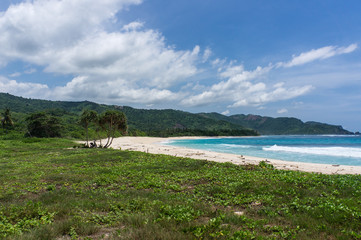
326,149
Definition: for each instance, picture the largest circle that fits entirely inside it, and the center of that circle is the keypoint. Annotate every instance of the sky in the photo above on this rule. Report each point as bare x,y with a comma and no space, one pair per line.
277,58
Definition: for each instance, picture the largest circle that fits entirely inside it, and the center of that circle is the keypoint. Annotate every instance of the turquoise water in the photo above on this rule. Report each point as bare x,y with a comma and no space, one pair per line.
329,149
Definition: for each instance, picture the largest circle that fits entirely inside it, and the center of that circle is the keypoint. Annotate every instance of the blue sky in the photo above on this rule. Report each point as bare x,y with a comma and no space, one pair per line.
277,58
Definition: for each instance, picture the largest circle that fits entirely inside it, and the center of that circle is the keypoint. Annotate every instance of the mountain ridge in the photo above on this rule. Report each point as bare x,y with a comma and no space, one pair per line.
281,125
168,122
151,122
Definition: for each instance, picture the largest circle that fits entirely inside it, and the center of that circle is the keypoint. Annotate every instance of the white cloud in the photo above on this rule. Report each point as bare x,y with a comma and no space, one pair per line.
245,88
279,85
318,54
132,64
225,112
137,56
116,91
207,53
16,74
33,90
271,95
232,71
218,62
283,110
32,30
71,37
133,26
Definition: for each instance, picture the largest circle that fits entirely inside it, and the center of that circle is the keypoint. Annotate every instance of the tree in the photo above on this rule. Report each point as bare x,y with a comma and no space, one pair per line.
86,118
43,125
7,122
112,121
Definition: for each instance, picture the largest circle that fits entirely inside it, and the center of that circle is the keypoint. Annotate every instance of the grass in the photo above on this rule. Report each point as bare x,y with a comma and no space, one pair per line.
50,190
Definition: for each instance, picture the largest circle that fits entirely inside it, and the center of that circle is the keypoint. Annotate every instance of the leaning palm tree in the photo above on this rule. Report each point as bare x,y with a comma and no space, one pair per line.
112,121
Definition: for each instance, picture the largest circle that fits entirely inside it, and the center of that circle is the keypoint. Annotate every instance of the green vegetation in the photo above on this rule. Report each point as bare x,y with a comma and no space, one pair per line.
112,122
43,125
6,121
278,126
52,190
87,118
161,123
170,122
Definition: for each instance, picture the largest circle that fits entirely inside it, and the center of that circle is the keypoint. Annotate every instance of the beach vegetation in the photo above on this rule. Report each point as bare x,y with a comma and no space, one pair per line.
6,120
54,189
112,122
86,118
43,125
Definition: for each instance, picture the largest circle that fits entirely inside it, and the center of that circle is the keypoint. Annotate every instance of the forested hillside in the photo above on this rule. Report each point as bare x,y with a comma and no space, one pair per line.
173,122
278,126
167,122
141,122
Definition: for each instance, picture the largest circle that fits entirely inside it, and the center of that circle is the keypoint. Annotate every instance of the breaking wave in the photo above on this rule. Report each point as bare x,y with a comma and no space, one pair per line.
327,151
234,146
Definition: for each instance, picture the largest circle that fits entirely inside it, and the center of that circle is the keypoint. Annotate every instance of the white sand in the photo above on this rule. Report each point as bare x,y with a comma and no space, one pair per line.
154,145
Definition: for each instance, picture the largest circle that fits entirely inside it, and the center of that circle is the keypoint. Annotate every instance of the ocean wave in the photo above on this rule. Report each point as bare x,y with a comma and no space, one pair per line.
233,146
339,135
327,151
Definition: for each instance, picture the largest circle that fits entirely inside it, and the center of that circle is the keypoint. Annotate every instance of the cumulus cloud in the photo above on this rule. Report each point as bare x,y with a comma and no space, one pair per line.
117,90
70,37
33,90
32,30
250,88
271,95
140,57
318,54
126,62
245,88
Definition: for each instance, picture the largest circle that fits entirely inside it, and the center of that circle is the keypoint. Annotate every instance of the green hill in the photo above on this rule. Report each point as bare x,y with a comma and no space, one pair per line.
167,122
28,105
141,122
278,126
174,122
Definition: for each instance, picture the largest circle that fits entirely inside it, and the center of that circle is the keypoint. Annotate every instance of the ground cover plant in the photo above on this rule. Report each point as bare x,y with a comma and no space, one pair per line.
52,190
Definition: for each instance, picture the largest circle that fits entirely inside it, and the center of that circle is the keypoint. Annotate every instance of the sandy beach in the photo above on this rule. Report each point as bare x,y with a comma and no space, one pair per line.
154,145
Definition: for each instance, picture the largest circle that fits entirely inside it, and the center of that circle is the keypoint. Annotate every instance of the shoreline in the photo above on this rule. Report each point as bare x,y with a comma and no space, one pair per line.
154,145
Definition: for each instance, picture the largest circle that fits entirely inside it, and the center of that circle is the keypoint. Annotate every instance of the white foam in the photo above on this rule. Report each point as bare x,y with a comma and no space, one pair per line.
328,151
234,146
166,142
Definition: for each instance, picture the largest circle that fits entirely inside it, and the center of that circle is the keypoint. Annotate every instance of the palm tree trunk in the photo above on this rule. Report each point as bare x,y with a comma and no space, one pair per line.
87,137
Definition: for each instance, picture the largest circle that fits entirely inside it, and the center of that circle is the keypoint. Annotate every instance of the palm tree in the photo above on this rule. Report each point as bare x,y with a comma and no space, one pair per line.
86,118
7,122
112,121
